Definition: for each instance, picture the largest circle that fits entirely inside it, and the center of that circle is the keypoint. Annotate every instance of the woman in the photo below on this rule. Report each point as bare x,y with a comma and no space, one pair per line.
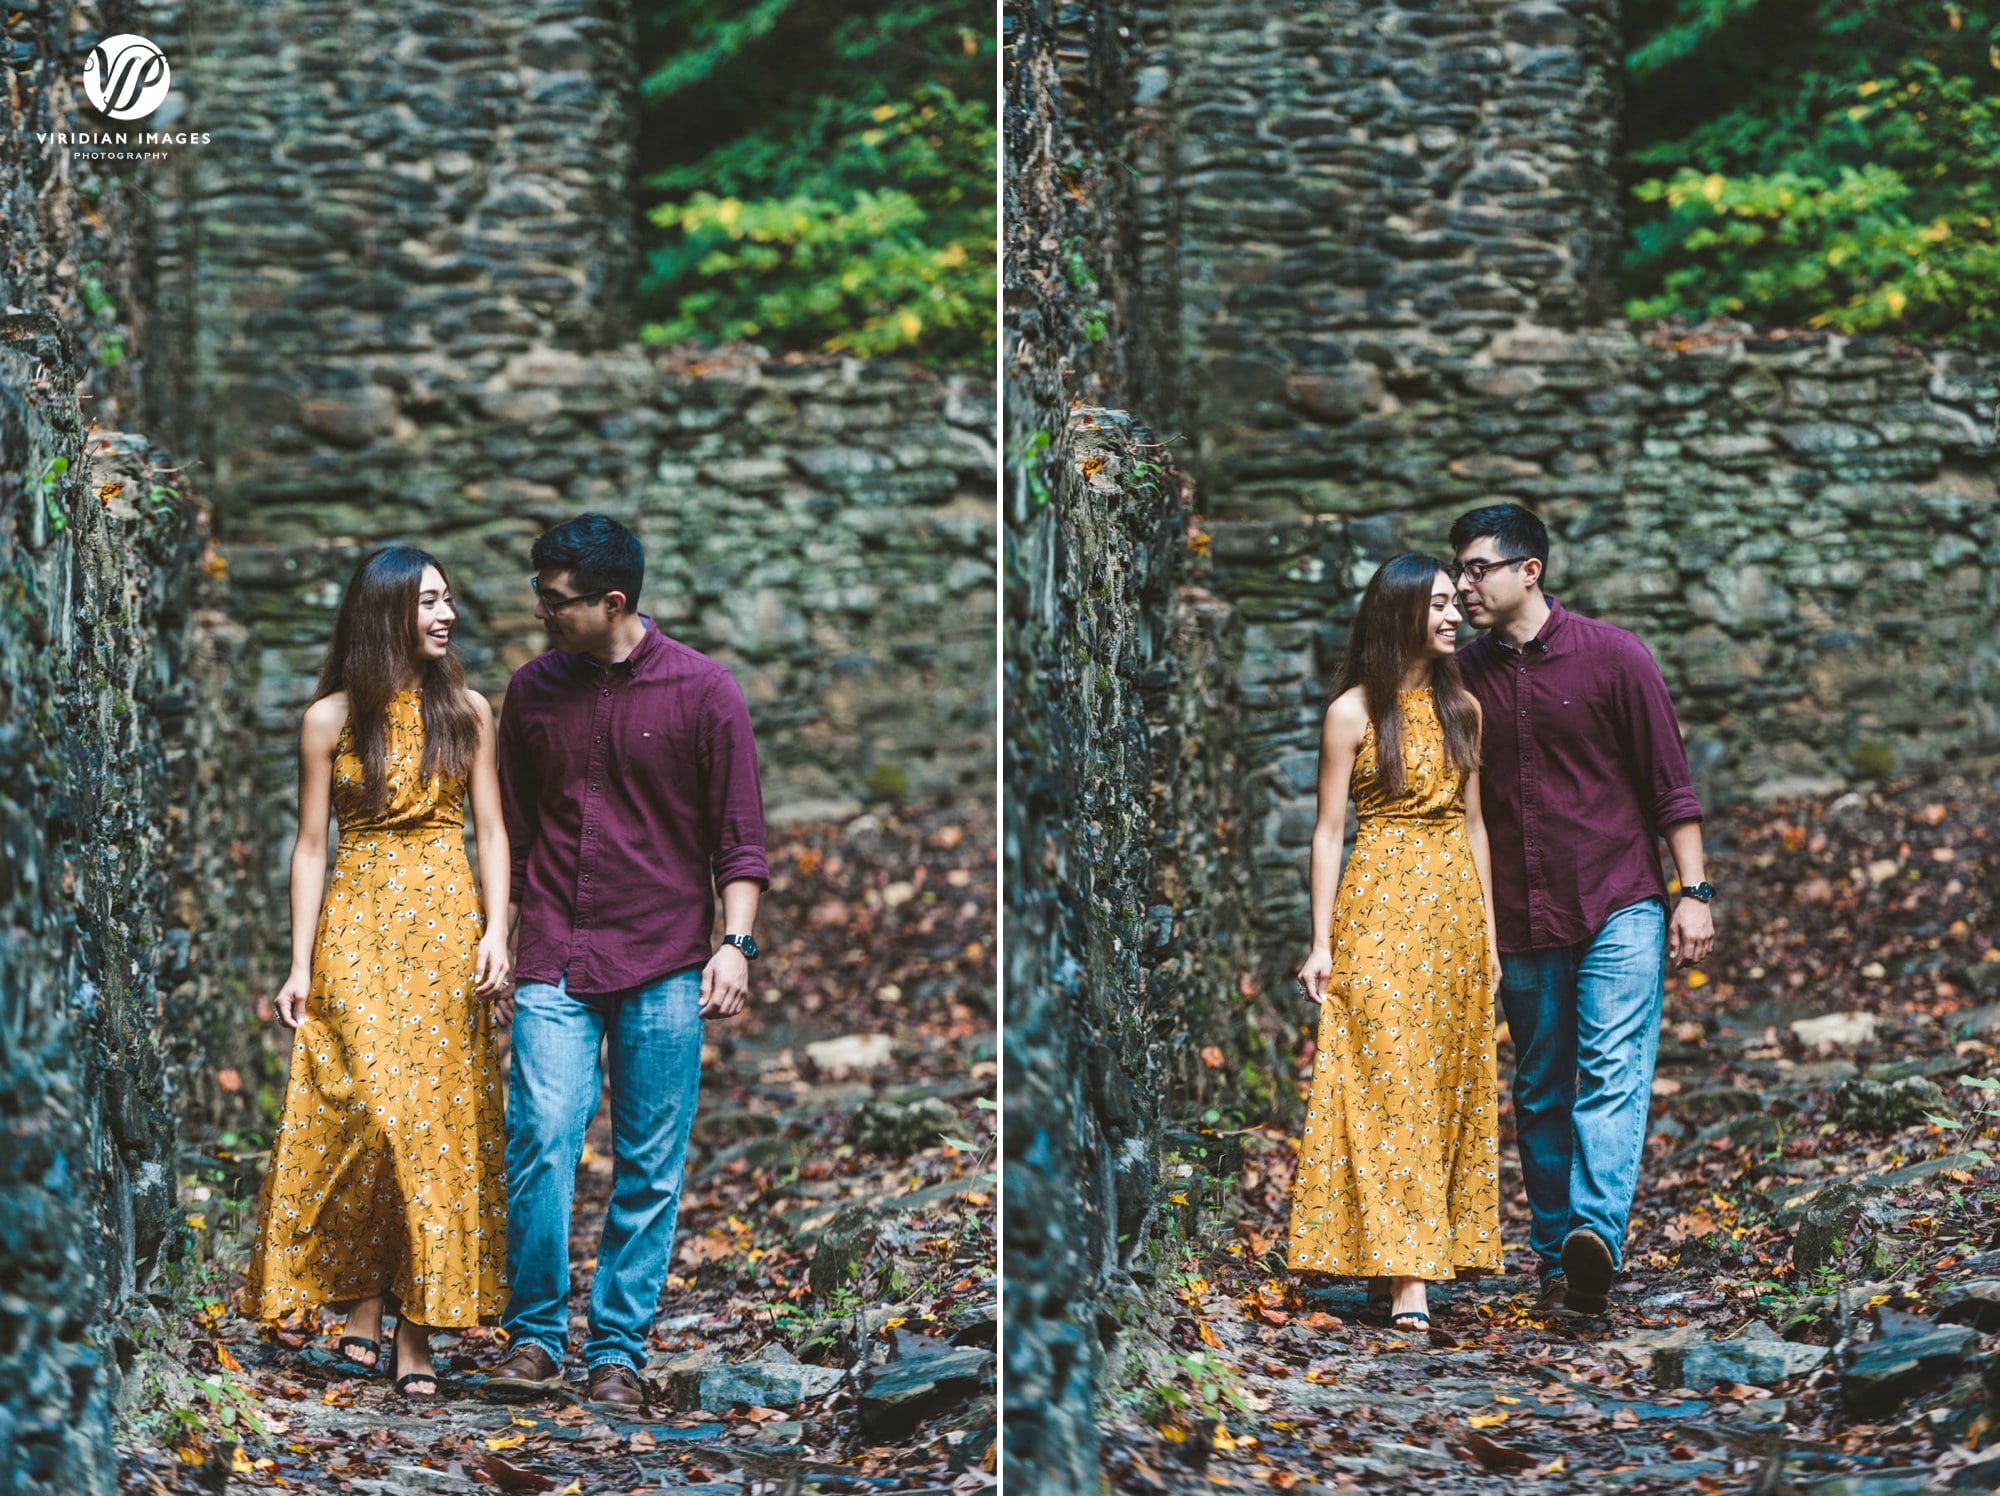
1398,1171
387,1174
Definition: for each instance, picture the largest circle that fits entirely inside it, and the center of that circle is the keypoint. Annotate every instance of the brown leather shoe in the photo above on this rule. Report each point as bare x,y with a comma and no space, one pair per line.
525,1373
1554,1289
616,1385
1588,1267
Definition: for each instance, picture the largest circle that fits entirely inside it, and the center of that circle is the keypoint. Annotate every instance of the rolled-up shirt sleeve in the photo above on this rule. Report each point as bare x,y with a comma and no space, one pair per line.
1656,760
520,789
735,795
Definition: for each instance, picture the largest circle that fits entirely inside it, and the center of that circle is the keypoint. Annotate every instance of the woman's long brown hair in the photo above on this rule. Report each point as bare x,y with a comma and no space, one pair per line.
375,642
1391,632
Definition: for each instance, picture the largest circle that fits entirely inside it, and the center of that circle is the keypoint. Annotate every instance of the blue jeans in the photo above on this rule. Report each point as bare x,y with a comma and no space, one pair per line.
655,1059
1585,1020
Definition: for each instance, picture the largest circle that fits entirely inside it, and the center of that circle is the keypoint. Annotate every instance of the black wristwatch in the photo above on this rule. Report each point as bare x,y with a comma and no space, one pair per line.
749,946
1703,890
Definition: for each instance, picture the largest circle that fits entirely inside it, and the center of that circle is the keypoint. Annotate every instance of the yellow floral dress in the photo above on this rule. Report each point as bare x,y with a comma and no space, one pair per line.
388,1170
1399,1167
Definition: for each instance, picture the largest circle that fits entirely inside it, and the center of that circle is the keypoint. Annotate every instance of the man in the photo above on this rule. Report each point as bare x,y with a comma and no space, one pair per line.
628,777
1582,772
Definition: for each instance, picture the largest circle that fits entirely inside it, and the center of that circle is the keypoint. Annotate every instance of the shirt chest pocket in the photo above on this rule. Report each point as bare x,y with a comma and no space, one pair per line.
1576,716
653,738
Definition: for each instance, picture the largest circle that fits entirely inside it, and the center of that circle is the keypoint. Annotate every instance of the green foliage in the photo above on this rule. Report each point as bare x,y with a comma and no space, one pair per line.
1824,163
825,176
51,485
1205,1390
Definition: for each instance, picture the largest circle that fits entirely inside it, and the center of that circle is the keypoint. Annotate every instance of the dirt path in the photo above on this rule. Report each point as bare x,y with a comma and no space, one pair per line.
846,1117
1812,1285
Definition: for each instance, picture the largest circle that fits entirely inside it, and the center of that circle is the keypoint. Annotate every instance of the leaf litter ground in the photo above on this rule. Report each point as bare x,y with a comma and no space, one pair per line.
876,999
1872,922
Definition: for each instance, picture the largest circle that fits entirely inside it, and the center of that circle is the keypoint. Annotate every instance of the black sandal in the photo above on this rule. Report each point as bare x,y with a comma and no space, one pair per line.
372,1347
433,1376
1379,1297
1423,1320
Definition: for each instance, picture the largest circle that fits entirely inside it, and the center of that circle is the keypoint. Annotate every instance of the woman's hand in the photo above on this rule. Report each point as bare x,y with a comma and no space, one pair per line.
493,974
493,967
1493,965
290,1003
1314,974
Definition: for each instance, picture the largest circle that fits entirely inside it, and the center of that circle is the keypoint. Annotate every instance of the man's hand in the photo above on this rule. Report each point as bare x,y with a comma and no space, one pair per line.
1691,933
725,983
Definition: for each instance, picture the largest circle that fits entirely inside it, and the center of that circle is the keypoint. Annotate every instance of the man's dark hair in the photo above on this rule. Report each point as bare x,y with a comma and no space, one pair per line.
1517,530
599,554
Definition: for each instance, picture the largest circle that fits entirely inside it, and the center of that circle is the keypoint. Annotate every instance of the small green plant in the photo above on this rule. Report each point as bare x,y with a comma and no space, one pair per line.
233,1404
1208,1390
51,485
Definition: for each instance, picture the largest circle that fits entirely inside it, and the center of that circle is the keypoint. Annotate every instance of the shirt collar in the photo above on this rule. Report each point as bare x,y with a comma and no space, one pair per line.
649,643
1545,636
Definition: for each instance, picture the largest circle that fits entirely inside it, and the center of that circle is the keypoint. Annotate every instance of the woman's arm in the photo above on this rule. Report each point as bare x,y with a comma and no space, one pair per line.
317,737
1340,739
1482,860
492,967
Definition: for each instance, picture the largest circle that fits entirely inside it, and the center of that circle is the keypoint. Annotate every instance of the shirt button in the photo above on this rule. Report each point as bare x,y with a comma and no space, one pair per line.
1524,711
598,739
593,788
607,691
586,876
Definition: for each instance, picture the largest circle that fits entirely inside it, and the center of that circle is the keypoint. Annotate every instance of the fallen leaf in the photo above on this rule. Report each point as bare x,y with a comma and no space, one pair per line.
515,1477
1497,1456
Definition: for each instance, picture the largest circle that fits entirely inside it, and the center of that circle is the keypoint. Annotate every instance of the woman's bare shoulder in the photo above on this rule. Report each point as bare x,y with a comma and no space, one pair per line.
1348,712
324,719
328,711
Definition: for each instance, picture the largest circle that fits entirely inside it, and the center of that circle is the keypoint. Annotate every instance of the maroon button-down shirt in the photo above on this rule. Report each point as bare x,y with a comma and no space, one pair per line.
1581,770
630,793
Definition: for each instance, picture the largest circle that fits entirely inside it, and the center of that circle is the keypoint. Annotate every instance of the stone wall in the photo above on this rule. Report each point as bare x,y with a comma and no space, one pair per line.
397,277
1124,927
825,528
123,942
1349,174
1797,527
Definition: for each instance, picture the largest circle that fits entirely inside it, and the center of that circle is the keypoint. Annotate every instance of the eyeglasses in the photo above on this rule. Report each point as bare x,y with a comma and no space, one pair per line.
555,602
1476,572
